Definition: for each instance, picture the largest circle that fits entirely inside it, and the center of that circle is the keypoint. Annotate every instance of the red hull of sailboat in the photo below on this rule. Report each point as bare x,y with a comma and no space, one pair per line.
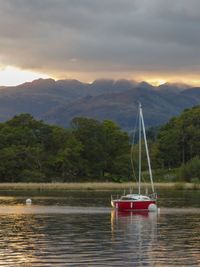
132,205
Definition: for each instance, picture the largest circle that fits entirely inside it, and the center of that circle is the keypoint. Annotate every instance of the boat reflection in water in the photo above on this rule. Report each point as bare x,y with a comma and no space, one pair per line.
137,231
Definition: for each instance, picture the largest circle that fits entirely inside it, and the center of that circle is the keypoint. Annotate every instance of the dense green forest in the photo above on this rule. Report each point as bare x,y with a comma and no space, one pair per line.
90,150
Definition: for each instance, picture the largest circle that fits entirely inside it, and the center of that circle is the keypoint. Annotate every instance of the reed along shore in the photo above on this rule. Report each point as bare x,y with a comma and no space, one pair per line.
93,186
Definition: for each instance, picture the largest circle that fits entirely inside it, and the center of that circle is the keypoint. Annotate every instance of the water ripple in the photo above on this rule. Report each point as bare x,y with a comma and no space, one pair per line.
99,239
54,233
36,209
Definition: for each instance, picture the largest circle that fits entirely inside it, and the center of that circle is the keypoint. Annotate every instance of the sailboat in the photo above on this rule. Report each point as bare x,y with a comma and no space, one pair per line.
138,202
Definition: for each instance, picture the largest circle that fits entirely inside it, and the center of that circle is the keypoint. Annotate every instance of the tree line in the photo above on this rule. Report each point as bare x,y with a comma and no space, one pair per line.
90,150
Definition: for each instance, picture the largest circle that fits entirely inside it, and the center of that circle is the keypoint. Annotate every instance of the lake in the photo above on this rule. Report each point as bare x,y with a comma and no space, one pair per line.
78,228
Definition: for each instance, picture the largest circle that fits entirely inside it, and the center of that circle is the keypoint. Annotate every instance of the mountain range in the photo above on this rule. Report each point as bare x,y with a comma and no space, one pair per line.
58,102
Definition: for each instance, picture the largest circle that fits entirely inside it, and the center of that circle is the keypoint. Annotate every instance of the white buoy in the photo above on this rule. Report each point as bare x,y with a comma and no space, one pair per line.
152,207
28,201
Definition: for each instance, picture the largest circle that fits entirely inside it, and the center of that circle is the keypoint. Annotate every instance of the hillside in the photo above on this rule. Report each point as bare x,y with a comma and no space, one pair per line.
59,101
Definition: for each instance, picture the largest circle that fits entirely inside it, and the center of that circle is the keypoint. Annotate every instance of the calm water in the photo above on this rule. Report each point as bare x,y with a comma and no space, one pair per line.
80,229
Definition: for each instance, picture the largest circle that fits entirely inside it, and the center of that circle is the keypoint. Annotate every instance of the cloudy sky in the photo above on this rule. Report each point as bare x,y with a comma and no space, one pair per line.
152,40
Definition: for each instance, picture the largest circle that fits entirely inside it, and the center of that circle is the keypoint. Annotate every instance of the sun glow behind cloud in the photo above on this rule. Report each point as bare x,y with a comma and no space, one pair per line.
153,41
11,76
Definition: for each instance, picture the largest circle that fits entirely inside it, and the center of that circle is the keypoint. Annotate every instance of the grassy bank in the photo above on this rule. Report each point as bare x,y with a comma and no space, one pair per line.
91,186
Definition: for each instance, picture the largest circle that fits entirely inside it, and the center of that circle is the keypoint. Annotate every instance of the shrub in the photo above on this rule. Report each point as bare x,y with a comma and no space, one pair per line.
28,176
190,170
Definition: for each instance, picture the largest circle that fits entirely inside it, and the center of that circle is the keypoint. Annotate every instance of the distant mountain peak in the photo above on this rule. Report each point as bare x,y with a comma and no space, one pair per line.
38,82
173,87
103,82
145,85
69,82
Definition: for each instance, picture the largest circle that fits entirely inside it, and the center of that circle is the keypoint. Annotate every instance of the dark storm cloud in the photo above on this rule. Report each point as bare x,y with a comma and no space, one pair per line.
106,35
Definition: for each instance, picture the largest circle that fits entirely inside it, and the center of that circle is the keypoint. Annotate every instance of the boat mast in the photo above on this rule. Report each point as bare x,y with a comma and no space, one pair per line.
146,147
140,151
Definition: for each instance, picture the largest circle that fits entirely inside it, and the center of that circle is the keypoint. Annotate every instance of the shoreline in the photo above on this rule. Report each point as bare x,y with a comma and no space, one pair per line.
94,186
